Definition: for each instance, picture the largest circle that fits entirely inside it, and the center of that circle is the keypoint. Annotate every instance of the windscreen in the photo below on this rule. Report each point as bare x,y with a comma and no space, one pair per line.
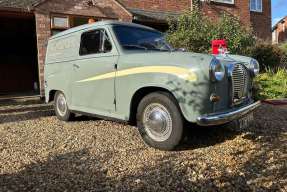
136,38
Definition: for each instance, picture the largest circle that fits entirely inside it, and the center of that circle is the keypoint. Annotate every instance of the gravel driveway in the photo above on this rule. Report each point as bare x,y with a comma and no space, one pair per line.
40,153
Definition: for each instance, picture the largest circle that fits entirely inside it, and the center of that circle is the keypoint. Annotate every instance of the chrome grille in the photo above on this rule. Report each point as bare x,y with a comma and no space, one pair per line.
239,82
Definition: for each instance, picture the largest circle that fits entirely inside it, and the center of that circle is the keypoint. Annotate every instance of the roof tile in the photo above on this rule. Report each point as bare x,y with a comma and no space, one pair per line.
22,4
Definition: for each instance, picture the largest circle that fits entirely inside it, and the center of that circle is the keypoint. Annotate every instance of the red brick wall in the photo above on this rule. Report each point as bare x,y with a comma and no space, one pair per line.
158,5
239,9
281,33
261,21
103,9
43,33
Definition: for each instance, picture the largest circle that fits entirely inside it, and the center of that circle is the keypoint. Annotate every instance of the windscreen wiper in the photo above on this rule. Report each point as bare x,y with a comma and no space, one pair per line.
134,46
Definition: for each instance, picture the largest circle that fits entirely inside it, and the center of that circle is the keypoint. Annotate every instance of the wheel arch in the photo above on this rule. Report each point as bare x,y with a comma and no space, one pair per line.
141,93
51,95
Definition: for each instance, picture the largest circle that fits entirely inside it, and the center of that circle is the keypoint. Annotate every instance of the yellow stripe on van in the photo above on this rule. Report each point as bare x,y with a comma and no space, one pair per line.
180,72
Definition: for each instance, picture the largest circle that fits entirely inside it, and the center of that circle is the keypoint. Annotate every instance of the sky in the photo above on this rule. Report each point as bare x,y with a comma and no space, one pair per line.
279,10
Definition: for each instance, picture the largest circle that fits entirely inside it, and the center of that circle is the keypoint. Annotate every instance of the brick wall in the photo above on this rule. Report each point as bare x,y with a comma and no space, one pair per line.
158,5
280,31
261,21
239,9
108,9
43,33
212,9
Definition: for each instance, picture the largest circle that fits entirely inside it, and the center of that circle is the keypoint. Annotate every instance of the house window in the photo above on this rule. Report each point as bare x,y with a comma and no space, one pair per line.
224,1
60,22
256,5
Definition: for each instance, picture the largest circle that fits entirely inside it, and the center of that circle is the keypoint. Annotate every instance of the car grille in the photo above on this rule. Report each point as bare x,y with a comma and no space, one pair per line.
240,81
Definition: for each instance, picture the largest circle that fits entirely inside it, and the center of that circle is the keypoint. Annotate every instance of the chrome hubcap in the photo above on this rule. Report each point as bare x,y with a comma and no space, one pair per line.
157,122
61,105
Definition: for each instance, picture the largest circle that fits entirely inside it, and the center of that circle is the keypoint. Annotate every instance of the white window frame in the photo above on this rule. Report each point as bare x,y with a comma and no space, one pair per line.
256,5
224,1
54,16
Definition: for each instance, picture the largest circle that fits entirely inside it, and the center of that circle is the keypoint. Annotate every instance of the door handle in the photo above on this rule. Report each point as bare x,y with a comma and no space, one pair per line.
76,66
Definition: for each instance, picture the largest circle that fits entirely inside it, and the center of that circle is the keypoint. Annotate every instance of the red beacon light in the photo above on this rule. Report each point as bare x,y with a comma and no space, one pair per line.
219,47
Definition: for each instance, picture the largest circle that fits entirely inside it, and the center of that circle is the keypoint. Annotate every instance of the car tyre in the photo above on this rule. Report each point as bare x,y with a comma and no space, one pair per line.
160,121
61,107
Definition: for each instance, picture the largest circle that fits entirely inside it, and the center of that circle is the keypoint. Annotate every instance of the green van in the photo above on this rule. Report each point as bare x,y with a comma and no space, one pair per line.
128,72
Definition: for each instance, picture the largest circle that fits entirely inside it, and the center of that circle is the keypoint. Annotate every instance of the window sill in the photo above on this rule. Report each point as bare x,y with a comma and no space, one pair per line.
256,11
228,3
217,3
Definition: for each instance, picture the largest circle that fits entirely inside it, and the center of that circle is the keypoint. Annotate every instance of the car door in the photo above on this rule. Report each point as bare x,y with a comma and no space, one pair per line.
93,88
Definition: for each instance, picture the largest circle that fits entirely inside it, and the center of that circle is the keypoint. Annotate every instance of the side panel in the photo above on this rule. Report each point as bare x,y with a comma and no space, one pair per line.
192,94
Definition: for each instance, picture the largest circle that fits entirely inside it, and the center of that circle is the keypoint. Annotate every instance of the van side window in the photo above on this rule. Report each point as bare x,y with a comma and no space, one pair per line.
94,42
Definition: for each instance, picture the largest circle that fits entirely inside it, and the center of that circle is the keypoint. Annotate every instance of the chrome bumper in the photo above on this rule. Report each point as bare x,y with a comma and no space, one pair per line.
222,118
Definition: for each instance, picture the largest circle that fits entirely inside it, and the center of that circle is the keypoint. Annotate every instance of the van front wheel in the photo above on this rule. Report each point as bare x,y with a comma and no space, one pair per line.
159,121
61,107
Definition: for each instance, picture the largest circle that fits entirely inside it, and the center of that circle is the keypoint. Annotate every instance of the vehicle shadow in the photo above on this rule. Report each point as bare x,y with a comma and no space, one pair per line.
80,118
201,137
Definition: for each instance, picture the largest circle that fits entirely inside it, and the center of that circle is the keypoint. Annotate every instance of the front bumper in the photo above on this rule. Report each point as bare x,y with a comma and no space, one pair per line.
222,118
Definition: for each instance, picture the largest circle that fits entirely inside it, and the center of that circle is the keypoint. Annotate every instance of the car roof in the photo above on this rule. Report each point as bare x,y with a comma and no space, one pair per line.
97,24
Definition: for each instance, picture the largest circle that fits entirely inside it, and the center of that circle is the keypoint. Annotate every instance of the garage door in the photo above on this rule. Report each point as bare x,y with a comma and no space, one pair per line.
18,54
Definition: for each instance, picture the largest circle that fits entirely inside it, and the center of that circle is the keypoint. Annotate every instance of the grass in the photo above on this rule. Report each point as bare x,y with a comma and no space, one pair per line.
271,85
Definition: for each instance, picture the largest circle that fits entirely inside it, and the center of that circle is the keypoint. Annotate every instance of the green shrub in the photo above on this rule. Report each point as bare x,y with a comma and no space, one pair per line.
190,31
269,56
271,85
194,31
284,47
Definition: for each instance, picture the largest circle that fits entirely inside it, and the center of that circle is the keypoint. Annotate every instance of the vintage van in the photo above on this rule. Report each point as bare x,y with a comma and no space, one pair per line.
128,72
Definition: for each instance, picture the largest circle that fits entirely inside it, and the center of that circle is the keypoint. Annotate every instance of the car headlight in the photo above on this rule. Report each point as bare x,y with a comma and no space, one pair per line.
254,67
217,70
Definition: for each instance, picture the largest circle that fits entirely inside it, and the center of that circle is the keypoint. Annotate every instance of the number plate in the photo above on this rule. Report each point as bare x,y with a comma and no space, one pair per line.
246,121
